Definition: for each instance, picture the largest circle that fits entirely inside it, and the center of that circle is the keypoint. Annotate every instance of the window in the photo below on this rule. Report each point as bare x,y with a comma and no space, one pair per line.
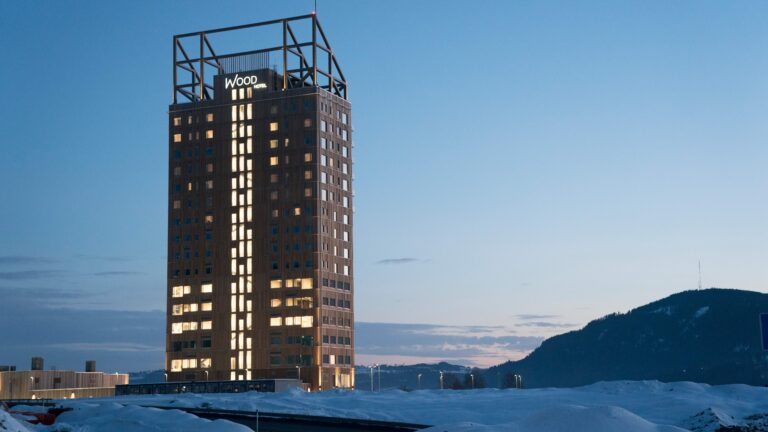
177,121
273,143
209,117
175,365
273,127
206,288
209,184
176,137
275,321
273,160
206,325
177,171
209,133
297,211
344,118
276,283
274,359
307,157
307,123
308,175
176,328
205,363
276,302
176,204
206,307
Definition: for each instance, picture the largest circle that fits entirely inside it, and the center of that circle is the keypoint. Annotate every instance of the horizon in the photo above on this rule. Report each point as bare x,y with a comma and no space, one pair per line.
498,201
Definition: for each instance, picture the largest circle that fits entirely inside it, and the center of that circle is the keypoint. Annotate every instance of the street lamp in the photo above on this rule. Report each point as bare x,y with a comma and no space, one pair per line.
418,377
206,375
441,380
472,376
298,372
378,367
372,376
31,383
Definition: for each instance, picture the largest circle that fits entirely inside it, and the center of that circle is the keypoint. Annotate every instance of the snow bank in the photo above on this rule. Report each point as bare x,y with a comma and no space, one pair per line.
627,406
10,424
110,416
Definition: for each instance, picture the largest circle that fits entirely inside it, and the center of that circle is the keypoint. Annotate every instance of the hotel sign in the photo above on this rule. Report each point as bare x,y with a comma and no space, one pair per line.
240,81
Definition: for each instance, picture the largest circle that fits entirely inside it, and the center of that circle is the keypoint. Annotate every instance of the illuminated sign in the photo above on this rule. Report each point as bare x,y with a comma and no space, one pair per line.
238,81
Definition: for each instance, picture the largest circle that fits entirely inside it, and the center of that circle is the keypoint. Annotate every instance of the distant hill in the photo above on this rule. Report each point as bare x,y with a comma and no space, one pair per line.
708,336
147,377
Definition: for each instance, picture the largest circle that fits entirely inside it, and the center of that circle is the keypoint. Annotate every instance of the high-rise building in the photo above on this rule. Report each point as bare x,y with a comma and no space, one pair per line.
260,270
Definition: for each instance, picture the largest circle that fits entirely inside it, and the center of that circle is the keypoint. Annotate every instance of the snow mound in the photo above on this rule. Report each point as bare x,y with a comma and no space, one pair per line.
10,424
129,418
699,313
710,420
569,418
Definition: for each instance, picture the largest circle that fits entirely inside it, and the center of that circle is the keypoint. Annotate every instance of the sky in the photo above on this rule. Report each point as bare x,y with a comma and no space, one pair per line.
521,167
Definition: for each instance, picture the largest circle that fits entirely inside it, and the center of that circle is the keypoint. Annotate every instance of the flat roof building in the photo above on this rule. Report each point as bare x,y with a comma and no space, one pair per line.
260,269
39,383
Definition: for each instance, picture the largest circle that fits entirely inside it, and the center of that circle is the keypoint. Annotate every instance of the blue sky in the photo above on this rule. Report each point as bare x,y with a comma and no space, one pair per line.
513,159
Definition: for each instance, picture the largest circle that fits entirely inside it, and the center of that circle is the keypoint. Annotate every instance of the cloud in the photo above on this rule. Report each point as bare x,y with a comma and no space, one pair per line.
109,346
30,274
468,345
100,258
117,273
535,317
20,259
398,260
24,295
546,324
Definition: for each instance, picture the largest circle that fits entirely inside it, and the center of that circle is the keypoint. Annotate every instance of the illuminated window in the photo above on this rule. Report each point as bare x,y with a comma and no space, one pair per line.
209,184
175,365
275,322
276,302
297,211
176,328
205,307
176,137
306,321
206,288
307,157
206,325
176,204
273,143
208,218
275,213
307,123
209,117
275,283
209,133
177,310
306,283
274,160
205,363
177,171
273,126
307,192
178,291
177,121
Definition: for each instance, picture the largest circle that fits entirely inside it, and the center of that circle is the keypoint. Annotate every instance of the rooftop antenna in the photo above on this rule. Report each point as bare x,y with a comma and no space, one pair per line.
699,274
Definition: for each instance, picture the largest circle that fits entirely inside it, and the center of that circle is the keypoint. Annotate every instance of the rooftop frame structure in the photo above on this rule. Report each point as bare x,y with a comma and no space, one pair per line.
195,60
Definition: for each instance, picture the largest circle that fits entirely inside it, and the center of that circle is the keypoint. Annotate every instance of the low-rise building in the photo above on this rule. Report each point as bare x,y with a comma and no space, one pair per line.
39,383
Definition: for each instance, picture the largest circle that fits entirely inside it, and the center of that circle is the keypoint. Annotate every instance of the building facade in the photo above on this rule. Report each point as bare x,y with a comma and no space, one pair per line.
260,269
39,383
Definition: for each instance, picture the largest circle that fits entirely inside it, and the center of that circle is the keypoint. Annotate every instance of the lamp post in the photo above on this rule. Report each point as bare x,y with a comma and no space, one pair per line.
206,375
378,367
372,376
472,377
166,376
441,380
418,378
298,372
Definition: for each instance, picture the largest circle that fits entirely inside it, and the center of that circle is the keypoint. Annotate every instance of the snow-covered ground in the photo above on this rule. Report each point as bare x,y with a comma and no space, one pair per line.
627,406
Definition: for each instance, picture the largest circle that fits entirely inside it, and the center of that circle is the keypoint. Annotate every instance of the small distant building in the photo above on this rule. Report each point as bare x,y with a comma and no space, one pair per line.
39,383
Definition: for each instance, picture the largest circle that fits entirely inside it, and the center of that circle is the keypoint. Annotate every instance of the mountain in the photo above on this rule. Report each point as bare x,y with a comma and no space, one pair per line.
708,336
